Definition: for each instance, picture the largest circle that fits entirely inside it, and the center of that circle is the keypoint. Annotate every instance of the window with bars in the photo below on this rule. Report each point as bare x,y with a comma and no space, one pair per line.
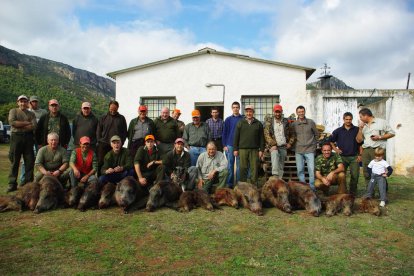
155,104
262,104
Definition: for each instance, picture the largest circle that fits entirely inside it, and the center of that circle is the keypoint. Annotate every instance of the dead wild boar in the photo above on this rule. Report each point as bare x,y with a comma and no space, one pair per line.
126,192
339,203
9,203
225,196
301,196
276,193
367,205
28,196
90,197
73,196
107,195
51,194
249,197
163,193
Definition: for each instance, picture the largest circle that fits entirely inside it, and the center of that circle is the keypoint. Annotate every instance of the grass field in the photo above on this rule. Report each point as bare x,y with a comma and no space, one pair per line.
225,242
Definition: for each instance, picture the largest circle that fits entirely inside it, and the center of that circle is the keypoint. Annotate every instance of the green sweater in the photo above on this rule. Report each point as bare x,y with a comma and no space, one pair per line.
166,132
113,160
249,136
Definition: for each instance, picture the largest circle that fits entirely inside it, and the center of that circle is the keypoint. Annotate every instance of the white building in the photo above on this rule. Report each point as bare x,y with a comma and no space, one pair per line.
180,82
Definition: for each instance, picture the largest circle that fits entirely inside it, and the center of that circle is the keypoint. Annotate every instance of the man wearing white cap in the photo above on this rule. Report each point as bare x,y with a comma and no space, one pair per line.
23,123
34,107
249,144
53,121
85,124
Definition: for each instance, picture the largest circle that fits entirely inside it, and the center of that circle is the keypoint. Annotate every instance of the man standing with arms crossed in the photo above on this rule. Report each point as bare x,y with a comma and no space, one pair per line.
343,141
23,123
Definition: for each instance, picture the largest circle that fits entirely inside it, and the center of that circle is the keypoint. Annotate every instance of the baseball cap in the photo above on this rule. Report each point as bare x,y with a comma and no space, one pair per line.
149,137
53,101
249,106
177,111
86,104
142,108
179,140
277,107
34,98
84,140
115,138
22,97
195,113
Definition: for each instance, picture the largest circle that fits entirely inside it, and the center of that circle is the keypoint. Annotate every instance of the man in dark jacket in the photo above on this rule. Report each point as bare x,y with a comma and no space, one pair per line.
85,124
166,131
138,129
178,157
147,163
53,121
110,125
249,144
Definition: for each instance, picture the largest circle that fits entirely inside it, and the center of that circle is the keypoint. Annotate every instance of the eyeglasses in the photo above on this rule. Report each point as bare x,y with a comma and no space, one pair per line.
85,144
85,108
53,105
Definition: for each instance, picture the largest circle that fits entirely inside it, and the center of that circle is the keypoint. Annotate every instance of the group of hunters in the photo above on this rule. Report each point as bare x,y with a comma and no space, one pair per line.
214,153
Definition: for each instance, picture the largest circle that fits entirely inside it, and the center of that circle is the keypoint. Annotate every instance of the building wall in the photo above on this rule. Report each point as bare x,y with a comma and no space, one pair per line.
398,108
185,79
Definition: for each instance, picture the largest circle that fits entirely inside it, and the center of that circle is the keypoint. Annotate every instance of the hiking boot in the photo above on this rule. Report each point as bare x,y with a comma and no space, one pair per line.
12,188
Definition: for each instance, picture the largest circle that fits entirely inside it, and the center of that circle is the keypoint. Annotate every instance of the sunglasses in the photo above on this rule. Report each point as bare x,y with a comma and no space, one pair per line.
53,105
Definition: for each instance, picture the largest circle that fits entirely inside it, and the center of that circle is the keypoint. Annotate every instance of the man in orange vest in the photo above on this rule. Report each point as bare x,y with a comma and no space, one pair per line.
83,163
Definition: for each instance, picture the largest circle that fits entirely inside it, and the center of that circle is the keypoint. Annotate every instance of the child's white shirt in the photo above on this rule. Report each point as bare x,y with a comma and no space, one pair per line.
378,167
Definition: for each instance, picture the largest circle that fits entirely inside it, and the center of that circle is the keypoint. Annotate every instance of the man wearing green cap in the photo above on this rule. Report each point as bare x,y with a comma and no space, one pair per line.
117,163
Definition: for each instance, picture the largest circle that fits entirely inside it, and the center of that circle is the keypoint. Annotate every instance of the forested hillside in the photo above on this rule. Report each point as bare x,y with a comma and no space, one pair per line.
30,75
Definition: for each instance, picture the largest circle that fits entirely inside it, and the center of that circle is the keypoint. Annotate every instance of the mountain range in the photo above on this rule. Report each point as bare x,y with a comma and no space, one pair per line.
47,79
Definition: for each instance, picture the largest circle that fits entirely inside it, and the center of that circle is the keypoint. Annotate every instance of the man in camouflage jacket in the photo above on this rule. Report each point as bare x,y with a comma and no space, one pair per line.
279,138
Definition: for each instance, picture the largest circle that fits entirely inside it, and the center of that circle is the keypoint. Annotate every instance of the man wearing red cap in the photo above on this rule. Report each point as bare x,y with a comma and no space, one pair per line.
85,124
53,121
83,163
137,130
278,138
147,163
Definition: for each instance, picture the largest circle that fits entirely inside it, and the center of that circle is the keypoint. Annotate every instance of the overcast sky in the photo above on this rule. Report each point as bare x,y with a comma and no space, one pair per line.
367,43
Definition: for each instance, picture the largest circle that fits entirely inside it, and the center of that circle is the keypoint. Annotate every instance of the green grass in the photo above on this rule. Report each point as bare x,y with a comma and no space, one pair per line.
229,241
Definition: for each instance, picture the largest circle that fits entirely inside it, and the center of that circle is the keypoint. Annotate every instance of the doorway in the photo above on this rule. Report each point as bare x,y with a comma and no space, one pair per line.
205,109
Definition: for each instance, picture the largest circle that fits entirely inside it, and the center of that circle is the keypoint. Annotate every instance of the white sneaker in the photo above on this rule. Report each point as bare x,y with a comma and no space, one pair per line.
382,203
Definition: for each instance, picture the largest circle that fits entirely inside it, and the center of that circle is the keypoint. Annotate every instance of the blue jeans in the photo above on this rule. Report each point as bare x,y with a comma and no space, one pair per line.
195,153
230,166
300,164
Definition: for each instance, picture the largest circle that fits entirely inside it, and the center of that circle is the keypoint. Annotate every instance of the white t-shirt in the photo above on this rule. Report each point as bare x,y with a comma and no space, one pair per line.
378,167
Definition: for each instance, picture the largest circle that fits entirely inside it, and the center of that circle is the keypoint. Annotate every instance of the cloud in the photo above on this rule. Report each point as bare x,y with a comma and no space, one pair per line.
366,43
